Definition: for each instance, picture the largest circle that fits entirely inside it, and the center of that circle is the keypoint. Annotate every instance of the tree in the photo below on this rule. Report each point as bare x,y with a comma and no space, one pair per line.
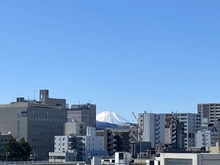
11,150
25,149
17,150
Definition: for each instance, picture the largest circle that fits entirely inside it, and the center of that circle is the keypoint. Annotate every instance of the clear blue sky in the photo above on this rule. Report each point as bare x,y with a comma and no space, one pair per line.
125,56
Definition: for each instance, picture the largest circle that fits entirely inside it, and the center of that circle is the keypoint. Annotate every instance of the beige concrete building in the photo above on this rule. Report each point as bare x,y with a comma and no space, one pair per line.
85,113
214,149
37,121
75,128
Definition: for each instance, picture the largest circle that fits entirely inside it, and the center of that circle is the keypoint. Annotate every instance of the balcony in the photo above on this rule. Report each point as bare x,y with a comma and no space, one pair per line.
110,147
110,141
110,137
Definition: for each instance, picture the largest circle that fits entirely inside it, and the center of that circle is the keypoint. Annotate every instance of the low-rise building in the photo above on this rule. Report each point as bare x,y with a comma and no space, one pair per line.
207,135
78,148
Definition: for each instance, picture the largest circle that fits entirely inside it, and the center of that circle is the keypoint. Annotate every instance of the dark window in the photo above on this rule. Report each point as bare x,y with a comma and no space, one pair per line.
121,156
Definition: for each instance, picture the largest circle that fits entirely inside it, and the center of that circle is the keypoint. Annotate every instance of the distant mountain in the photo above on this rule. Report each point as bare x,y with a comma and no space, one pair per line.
111,117
103,125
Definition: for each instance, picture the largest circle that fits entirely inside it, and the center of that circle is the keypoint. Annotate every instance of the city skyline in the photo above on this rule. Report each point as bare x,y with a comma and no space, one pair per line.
123,56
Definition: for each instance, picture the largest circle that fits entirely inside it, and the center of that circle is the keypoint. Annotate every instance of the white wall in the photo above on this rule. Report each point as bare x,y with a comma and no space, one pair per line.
61,143
203,139
149,125
71,127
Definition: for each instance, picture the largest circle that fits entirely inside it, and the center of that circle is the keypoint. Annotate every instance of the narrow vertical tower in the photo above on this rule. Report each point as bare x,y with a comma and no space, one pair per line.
44,94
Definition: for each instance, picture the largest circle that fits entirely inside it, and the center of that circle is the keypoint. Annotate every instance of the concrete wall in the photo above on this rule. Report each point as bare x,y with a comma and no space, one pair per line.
85,113
153,127
9,117
75,128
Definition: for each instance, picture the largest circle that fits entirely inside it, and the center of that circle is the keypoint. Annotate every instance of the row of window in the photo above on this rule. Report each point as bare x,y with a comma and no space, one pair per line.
48,126
4,140
45,133
46,119
45,112
41,140
41,147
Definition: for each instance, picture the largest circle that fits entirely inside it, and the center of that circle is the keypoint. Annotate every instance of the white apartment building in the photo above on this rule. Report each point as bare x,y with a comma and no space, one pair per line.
152,128
81,148
207,135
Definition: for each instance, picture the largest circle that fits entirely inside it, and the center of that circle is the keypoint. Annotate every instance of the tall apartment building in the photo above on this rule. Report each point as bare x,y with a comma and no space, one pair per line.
37,121
211,111
121,140
192,122
152,128
174,132
85,113
108,140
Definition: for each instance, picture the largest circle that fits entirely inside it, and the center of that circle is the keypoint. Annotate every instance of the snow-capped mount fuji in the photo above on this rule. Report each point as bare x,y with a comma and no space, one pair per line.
111,117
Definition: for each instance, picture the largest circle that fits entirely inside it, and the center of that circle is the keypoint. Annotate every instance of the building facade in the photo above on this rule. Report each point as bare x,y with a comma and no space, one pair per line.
83,147
85,113
75,127
211,111
192,122
207,135
119,139
38,122
107,134
152,128
174,131
4,138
